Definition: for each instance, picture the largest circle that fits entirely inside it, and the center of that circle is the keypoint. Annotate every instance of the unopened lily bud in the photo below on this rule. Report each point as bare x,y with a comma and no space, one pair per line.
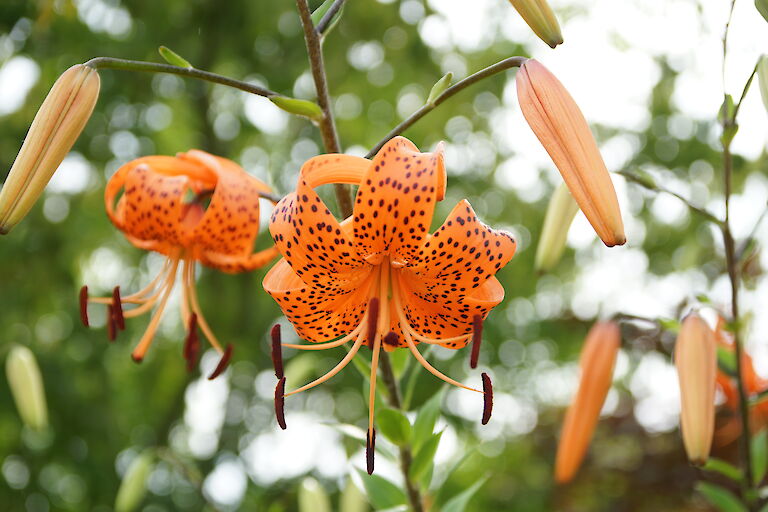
561,128
26,385
312,497
539,16
762,79
133,488
597,360
696,362
560,214
54,130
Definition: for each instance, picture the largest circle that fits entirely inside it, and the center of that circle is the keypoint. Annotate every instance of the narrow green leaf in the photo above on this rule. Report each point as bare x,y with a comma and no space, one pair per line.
394,426
669,324
726,361
762,8
762,76
319,14
425,421
759,452
312,497
173,58
424,457
133,487
726,469
440,87
381,492
459,502
350,431
298,107
721,498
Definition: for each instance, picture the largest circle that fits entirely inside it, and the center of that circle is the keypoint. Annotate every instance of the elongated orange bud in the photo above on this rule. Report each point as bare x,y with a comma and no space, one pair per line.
696,362
597,359
561,128
54,130
539,16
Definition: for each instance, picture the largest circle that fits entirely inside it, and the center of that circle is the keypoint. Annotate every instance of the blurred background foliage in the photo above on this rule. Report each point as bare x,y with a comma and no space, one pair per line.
220,437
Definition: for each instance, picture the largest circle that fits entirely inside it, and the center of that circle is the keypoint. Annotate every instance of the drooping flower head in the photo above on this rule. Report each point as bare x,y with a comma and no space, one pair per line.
379,278
191,207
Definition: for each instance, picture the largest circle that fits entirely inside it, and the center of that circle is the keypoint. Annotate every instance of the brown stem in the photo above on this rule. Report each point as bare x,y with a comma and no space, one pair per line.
327,126
406,458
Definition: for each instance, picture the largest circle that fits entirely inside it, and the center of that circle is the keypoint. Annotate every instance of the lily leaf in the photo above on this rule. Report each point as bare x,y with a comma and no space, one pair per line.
459,502
381,492
173,58
394,425
721,498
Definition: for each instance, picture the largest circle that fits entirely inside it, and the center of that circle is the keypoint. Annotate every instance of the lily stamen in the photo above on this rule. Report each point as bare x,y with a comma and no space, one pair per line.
277,351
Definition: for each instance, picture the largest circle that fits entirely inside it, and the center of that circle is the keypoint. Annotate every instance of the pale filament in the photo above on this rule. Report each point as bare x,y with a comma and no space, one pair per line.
331,344
146,339
408,332
150,301
344,362
140,296
188,277
382,327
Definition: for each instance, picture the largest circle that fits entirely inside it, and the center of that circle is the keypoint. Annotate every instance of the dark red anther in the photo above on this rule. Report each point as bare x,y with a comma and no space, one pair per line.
277,351
192,343
392,339
370,449
223,362
84,306
280,403
373,320
477,338
111,327
487,398
117,309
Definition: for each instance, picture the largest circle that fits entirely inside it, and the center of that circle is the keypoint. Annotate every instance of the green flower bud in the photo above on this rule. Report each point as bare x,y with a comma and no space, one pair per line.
560,214
134,484
312,497
26,385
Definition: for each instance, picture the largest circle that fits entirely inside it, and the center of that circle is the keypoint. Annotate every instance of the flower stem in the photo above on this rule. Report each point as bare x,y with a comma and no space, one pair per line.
327,126
406,457
155,67
511,62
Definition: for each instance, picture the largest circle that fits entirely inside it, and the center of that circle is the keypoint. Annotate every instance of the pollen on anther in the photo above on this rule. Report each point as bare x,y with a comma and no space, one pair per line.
487,398
277,351
117,307
280,403
223,362
192,343
111,327
84,306
477,338
373,320
370,449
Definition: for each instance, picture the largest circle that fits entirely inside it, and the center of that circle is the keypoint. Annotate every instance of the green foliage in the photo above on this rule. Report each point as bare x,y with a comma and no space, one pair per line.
394,425
721,498
759,450
382,493
173,58
726,469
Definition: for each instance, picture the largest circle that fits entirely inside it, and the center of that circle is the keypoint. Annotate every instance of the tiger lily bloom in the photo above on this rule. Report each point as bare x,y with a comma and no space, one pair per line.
696,363
560,126
191,207
378,278
597,360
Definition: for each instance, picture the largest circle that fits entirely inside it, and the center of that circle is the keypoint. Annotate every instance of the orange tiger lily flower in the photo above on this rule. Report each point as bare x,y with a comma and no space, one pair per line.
379,277
191,207
597,360
730,429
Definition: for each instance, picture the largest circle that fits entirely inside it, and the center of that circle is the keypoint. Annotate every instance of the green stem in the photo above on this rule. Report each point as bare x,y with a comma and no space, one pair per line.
657,188
511,62
324,23
155,67
327,126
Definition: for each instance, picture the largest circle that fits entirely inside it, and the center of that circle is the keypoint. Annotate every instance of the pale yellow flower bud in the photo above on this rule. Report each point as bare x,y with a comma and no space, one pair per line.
312,497
56,126
561,128
133,488
26,385
560,214
598,357
696,362
539,16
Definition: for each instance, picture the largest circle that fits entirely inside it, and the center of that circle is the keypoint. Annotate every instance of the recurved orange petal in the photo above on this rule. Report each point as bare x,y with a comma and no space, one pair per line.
396,200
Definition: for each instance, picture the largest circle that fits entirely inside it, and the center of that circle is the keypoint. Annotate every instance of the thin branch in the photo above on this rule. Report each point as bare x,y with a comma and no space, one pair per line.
325,23
155,67
657,188
327,126
511,62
